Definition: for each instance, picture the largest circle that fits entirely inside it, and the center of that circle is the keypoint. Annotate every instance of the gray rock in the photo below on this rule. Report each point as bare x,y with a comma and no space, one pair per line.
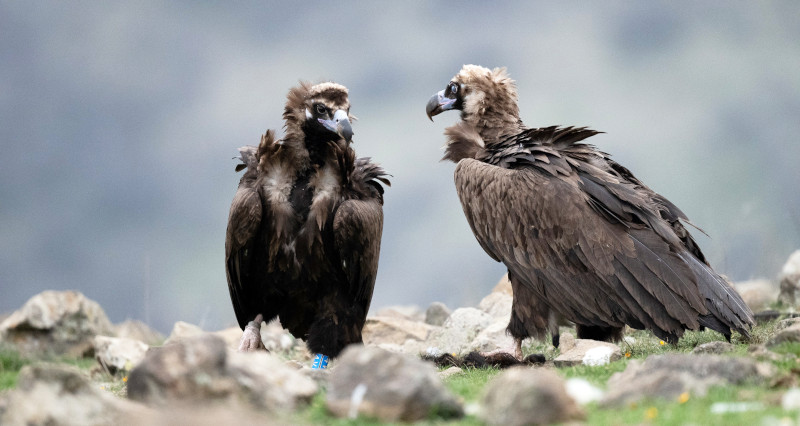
459,331
182,330
582,391
493,337
587,352
757,294
200,368
524,396
788,334
137,330
498,305
409,312
713,348
55,323
450,372
789,284
786,323
437,314
117,353
792,265
668,376
372,382
394,330
49,394
761,353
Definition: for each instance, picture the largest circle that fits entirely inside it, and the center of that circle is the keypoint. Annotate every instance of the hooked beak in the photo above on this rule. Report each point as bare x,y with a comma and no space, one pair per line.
340,124
438,103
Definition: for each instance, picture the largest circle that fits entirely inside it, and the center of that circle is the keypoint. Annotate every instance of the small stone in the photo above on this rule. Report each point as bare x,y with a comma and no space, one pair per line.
713,348
566,342
372,382
523,396
790,401
409,312
437,314
588,352
582,391
118,354
452,371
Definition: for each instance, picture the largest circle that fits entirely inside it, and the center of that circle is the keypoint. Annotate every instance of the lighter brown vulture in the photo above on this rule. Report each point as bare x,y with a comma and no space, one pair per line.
580,235
305,226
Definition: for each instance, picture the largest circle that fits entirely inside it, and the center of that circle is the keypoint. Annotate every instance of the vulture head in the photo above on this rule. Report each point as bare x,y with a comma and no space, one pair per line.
486,98
320,111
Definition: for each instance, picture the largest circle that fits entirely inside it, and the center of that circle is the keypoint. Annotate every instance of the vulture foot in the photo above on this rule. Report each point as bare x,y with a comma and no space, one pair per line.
251,338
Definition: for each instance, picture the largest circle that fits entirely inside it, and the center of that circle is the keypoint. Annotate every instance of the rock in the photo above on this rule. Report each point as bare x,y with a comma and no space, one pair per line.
498,305
786,323
410,312
788,334
450,372
437,313
50,394
492,337
201,369
713,348
790,401
523,396
117,353
587,352
582,391
503,286
668,376
760,352
757,294
459,331
55,323
390,387
566,342
792,265
788,286
182,330
137,330
396,330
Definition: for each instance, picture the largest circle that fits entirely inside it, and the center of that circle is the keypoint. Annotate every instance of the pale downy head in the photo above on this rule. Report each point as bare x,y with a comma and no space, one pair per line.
486,98
318,111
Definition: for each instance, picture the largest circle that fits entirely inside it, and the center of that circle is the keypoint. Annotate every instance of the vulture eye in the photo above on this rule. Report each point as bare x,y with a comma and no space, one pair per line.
320,109
453,88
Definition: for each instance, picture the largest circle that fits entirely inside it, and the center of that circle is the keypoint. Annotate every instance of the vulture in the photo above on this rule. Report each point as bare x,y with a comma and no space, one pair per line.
304,228
581,236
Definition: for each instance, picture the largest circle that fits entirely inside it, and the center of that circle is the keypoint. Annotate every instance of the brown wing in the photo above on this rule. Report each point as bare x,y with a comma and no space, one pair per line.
244,220
571,247
357,228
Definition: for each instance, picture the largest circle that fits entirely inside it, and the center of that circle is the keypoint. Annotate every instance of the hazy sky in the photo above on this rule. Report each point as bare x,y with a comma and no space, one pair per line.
118,122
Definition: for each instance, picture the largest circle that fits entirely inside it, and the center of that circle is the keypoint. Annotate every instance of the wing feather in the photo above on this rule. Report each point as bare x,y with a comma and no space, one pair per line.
357,228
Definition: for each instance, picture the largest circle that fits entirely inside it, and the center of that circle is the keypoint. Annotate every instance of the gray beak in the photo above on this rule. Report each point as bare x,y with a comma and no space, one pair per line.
438,103
340,124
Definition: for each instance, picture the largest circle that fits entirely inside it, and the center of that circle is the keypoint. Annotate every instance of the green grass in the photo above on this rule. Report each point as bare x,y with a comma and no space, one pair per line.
10,364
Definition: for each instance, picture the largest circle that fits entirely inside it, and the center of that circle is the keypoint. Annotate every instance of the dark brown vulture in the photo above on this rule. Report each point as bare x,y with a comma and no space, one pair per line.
580,235
305,226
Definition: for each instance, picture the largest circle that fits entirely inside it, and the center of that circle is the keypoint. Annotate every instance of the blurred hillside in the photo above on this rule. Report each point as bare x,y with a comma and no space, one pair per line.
118,123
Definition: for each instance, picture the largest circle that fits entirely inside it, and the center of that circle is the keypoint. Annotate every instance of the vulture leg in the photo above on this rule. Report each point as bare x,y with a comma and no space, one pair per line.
251,337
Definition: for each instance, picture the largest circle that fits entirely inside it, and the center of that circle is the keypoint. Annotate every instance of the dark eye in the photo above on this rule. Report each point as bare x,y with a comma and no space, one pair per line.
453,88
320,109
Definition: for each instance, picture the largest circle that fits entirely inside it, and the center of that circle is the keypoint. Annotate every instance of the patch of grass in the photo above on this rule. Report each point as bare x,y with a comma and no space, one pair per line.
10,364
469,384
